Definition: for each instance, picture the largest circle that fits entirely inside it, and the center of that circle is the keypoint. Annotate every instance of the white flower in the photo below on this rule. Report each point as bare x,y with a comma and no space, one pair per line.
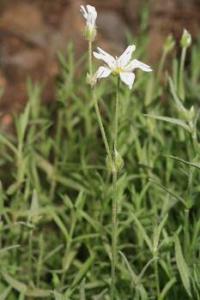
122,66
90,14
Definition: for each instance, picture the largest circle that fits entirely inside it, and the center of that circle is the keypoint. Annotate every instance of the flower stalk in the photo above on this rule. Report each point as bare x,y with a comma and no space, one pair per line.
116,115
185,43
114,235
181,74
115,195
109,162
123,68
90,57
97,110
89,13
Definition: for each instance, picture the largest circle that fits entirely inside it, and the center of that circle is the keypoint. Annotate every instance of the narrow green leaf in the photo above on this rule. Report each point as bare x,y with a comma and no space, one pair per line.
60,224
157,233
170,120
142,232
17,285
167,288
135,278
182,266
5,293
23,288
57,296
13,188
6,142
82,290
175,96
168,191
34,209
3,250
22,123
83,270
48,168
38,293
192,164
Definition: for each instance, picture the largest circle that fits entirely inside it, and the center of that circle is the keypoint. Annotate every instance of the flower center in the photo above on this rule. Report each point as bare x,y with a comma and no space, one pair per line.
117,71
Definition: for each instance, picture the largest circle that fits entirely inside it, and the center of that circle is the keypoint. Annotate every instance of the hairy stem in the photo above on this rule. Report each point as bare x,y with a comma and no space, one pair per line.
100,122
157,275
105,140
114,236
115,198
90,57
181,75
116,116
30,254
161,65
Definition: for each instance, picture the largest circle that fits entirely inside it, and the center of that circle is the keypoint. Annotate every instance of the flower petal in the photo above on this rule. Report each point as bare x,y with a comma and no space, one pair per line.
106,57
84,12
128,78
103,72
134,64
92,11
92,15
124,59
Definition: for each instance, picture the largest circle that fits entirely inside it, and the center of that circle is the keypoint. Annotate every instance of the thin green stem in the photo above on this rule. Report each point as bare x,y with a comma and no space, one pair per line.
107,148
100,122
161,65
30,253
115,198
40,260
90,57
157,275
20,170
181,74
56,160
186,233
116,116
105,140
114,236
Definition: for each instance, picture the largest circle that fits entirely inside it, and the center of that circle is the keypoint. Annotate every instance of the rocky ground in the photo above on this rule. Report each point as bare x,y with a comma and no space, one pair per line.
31,33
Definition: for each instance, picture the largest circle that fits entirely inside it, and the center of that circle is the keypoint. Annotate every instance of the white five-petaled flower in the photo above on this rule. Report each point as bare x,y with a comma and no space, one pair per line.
90,14
123,65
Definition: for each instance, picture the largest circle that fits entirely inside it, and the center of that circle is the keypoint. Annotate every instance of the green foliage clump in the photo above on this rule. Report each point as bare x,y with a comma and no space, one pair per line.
55,199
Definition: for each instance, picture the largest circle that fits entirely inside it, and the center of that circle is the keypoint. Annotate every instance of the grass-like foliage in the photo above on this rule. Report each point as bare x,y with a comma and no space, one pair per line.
56,194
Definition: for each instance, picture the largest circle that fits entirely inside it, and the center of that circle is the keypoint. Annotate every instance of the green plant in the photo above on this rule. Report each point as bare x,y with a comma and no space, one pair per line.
56,194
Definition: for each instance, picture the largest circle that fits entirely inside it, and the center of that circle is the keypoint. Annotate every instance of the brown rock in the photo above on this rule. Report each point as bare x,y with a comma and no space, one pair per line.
107,23
32,32
171,18
111,5
131,10
25,51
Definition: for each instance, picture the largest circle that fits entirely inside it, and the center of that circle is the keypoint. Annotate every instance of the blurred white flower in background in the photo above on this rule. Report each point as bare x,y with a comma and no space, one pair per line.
122,65
90,15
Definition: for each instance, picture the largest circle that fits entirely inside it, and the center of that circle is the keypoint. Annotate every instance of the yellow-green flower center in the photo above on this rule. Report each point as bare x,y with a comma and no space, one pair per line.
117,71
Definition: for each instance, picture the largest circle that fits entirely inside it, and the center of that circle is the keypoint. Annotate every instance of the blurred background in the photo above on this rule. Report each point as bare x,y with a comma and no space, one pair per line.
32,32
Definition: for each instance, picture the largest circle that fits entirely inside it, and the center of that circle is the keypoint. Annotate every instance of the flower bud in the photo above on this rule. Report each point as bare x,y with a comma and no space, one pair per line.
91,79
191,113
119,162
110,165
90,33
90,14
55,280
169,43
188,114
186,39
